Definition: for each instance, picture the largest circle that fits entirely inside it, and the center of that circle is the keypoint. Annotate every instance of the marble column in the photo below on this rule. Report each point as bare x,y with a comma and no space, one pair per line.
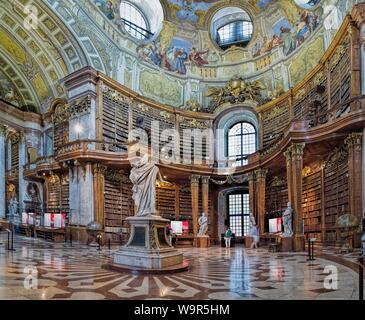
205,194
205,197
294,158
354,146
22,162
3,131
260,194
99,186
194,179
82,194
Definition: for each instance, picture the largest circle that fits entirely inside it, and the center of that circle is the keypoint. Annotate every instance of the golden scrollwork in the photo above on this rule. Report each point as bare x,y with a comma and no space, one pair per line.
236,90
64,112
193,105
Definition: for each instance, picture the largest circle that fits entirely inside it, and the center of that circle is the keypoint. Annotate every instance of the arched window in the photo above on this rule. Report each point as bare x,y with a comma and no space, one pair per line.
241,142
231,26
239,213
237,33
134,21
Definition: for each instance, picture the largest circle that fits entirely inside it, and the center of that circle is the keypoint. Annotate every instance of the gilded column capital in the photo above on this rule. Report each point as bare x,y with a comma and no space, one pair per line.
194,179
251,176
287,154
205,179
3,130
99,168
261,174
17,137
354,141
297,151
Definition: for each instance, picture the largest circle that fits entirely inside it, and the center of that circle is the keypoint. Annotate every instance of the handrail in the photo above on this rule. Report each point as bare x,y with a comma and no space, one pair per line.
87,145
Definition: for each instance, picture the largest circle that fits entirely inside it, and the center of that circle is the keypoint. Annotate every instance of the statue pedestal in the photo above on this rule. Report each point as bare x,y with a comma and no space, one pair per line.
203,242
248,242
287,244
299,243
148,248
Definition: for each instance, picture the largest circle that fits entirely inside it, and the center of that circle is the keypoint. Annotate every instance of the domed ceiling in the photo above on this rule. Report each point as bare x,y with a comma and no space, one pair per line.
179,62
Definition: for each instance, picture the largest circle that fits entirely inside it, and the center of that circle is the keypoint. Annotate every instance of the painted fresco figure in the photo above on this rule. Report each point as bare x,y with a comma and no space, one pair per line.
196,58
180,58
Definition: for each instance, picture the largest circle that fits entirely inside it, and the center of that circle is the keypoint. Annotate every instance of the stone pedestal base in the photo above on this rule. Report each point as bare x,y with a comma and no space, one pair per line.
148,246
299,243
287,244
203,242
248,242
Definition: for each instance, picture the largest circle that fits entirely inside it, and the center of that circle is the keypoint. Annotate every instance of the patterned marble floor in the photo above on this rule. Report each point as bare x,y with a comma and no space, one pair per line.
65,272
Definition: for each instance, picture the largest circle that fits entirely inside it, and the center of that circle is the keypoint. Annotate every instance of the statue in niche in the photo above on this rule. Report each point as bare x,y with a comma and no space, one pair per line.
143,176
203,225
288,222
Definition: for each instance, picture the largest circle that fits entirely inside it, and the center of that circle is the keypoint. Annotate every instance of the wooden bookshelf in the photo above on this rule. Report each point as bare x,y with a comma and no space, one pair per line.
312,204
115,120
274,122
118,206
336,191
276,196
61,135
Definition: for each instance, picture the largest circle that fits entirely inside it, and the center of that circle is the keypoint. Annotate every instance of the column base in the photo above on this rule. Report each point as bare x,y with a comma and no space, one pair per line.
287,244
299,243
203,242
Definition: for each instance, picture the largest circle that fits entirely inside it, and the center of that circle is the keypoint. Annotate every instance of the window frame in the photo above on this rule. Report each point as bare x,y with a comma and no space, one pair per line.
142,14
245,204
236,34
255,134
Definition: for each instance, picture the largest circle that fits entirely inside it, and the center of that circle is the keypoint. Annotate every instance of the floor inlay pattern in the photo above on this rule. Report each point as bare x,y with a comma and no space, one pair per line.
65,272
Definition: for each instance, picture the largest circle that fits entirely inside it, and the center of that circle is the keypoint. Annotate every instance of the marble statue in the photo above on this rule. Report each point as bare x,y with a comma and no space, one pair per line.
287,221
13,209
252,220
203,225
143,177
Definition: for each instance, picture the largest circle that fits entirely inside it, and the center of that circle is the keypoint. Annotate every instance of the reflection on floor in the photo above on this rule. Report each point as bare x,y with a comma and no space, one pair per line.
66,272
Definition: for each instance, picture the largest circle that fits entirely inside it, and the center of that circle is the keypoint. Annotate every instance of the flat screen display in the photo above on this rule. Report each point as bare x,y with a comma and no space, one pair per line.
177,227
275,225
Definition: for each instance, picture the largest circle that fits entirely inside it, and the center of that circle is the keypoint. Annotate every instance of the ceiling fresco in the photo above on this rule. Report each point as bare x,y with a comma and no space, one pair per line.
181,62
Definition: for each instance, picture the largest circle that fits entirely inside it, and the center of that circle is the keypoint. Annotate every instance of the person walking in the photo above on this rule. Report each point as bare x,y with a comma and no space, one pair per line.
227,237
254,232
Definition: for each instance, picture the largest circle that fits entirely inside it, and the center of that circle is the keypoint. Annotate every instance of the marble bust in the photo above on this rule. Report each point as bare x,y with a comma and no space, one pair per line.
203,225
288,222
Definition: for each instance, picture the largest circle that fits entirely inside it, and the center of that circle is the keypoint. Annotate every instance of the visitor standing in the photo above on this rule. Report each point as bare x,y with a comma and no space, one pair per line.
227,237
254,233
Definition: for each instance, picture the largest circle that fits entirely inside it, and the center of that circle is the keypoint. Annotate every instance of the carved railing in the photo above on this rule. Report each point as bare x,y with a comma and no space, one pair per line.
49,160
90,145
